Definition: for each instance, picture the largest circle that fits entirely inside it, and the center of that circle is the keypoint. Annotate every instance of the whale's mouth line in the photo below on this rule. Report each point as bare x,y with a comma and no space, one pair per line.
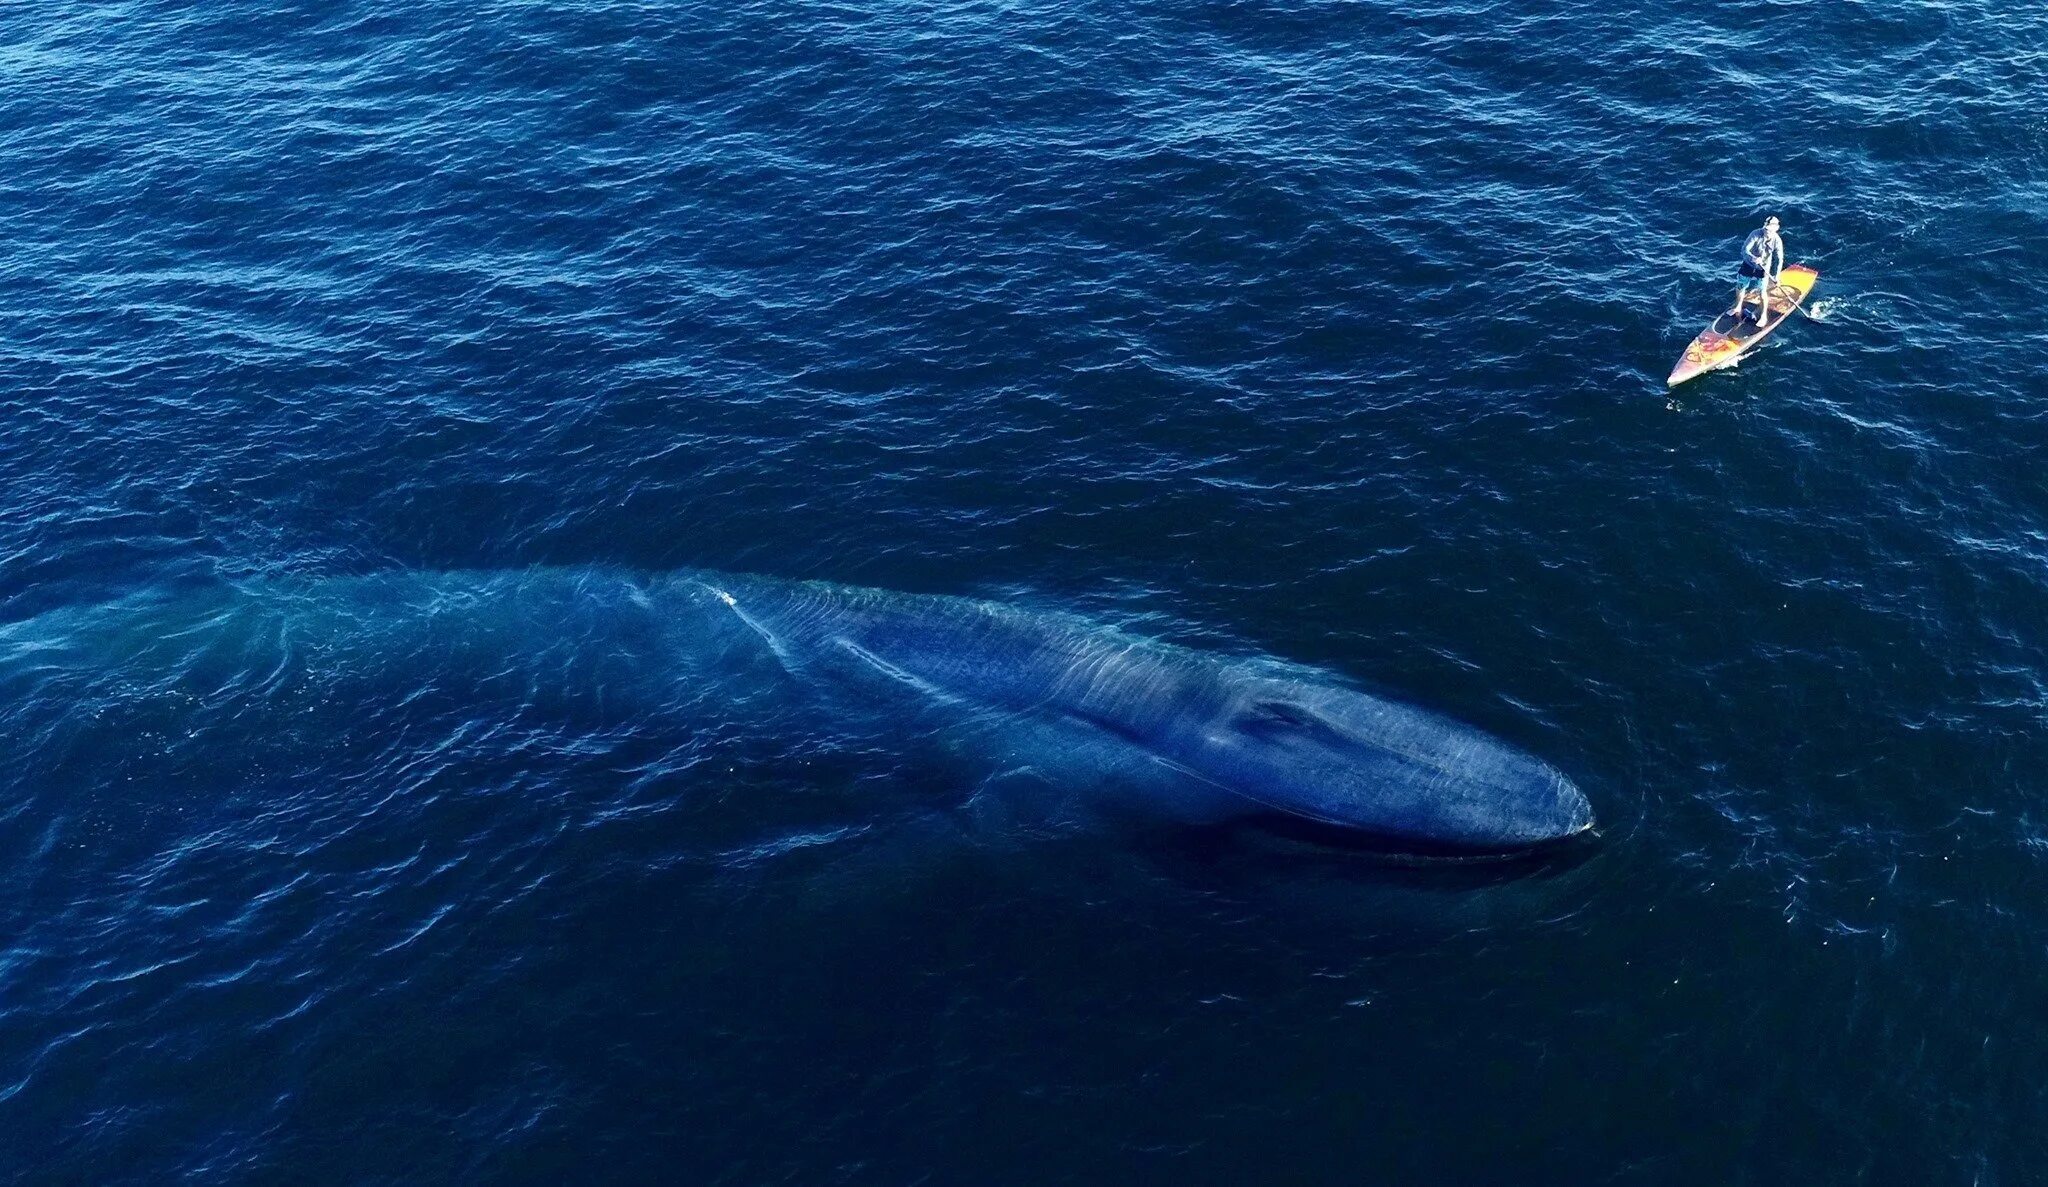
1129,738
1350,834
1568,848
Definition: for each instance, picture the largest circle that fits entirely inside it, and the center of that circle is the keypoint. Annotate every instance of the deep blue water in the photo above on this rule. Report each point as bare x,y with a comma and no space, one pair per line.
1327,331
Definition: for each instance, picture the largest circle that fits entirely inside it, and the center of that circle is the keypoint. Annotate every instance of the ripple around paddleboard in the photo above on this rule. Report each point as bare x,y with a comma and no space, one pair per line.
1325,332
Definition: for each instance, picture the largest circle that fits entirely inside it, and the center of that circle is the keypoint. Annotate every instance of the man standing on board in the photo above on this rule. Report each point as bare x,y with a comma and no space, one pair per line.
1763,257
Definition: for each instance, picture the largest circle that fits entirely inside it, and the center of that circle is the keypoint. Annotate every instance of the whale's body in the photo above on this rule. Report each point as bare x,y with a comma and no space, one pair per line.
1266,739
1226,736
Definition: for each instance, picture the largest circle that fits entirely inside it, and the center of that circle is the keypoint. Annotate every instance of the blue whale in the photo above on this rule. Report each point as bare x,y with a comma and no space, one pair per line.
1222,737
1247,737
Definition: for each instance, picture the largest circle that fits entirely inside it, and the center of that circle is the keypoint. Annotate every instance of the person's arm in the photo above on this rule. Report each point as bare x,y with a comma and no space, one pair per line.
1758,249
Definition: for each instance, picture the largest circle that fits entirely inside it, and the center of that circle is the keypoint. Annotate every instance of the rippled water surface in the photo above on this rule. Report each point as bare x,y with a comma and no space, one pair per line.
1326,331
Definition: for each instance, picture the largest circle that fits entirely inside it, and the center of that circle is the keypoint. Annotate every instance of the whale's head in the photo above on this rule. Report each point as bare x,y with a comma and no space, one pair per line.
1394,773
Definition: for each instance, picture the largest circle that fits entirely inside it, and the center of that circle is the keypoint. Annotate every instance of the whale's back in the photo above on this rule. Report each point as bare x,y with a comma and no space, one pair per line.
1279,739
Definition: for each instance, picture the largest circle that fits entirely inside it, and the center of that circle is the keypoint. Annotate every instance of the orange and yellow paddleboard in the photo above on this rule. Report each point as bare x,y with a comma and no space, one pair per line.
1730,337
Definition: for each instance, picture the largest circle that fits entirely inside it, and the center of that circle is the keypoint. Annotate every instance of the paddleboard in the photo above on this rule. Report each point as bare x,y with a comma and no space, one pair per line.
1731,337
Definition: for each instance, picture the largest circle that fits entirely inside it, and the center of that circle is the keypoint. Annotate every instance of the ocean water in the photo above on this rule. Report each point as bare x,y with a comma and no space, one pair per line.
1334,332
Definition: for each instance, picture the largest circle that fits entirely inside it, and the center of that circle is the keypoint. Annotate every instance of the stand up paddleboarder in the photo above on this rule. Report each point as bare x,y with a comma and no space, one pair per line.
1763,257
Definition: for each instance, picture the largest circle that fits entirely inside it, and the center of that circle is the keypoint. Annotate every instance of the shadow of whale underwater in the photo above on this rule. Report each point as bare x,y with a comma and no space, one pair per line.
1226,738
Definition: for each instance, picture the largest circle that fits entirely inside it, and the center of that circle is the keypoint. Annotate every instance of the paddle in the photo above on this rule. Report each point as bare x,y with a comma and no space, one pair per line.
1803,311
